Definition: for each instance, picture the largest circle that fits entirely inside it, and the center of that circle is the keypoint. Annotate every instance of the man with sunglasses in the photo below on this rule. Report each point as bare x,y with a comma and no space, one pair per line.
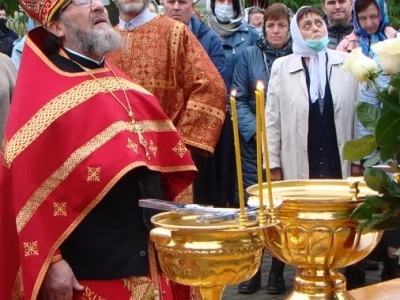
82,145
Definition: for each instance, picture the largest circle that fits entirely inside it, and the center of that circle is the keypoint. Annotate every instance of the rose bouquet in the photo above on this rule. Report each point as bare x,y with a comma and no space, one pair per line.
380,211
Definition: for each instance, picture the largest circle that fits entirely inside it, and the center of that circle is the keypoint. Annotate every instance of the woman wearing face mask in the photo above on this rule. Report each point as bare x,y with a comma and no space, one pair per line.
371,25
254,64
255,16
310,109
225,18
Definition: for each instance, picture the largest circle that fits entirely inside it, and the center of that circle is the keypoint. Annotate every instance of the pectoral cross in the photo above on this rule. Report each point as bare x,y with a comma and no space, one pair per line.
136,128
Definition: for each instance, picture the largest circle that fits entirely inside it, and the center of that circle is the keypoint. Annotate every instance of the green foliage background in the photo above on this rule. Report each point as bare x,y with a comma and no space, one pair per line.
393,9
12,5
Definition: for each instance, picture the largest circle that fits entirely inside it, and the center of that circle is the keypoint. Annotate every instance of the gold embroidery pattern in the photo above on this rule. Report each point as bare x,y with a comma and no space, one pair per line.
207,109
131,145
93,174
31,248
141,288
58,107
90,295
60,208
153,148
180,149
18,289
75,158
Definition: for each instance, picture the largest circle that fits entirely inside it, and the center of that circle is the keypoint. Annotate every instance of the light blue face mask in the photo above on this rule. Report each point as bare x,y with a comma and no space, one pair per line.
259,30
224,13
317,45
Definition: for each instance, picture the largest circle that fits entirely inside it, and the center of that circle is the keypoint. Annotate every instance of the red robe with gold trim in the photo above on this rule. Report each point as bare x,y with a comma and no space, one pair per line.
67,142
164,57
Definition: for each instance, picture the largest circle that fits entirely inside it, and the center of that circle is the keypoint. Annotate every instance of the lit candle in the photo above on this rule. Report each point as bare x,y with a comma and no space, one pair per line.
237,152
260,88
259,150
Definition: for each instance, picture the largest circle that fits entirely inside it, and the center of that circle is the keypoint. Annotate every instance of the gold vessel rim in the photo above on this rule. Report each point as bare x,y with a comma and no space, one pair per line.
233,225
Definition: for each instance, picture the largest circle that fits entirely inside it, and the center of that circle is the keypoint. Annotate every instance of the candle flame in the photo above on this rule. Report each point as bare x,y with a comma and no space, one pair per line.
233,93
260,85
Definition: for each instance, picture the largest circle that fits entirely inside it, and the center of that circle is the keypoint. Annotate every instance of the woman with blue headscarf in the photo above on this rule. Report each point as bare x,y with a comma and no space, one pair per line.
371,25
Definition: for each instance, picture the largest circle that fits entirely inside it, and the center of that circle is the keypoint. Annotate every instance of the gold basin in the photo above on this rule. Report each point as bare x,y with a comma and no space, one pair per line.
316,235
206,256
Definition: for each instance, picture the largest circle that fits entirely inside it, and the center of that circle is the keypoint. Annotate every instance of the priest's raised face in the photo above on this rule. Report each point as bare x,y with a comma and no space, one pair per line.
83,26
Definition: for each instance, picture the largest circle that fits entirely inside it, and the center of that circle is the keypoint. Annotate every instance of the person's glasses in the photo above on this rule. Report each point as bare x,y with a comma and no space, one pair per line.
83,3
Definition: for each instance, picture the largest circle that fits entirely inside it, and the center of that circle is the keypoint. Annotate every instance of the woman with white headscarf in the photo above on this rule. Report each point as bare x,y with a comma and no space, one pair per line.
310,108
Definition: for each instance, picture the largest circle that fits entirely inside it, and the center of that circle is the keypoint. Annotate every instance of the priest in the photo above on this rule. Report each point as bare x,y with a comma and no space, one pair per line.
82,145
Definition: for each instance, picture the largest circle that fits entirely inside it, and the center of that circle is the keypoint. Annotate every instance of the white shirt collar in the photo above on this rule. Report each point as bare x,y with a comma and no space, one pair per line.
144,17
83,56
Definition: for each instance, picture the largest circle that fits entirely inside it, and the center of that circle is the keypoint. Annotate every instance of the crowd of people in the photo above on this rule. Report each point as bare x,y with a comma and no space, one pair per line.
94,118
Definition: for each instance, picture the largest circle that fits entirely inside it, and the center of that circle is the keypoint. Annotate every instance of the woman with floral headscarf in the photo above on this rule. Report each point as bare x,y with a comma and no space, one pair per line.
371,25
254,65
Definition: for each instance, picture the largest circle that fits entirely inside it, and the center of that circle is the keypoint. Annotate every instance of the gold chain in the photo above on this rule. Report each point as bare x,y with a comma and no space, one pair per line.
136,128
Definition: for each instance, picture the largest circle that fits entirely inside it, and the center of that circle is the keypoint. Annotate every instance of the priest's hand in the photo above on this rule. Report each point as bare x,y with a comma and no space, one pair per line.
59,282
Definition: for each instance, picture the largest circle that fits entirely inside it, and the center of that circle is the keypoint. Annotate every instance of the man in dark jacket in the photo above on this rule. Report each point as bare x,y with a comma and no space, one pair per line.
338,19
183,11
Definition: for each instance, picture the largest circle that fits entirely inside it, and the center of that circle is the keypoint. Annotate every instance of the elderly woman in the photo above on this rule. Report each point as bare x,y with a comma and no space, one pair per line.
371,25
310,108
254,65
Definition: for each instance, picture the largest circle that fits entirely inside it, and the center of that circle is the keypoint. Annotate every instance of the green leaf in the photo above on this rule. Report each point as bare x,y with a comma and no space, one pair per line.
358,149
394,189
377,202
387,129
363,212
372,161
368,115
377,180
395,82
387,153
379,218
390,102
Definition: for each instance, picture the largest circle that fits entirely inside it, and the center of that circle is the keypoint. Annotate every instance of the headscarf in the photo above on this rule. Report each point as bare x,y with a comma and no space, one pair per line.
224,30
317,68
366,40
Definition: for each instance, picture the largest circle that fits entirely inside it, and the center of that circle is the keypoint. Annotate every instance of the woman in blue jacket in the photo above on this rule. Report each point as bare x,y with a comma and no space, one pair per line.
225,17
254,65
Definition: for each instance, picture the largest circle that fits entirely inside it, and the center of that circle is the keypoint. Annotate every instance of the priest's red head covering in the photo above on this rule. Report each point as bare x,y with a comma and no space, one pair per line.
42,11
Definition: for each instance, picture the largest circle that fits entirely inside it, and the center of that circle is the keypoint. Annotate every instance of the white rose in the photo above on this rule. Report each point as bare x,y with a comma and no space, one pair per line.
360,66
388,52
